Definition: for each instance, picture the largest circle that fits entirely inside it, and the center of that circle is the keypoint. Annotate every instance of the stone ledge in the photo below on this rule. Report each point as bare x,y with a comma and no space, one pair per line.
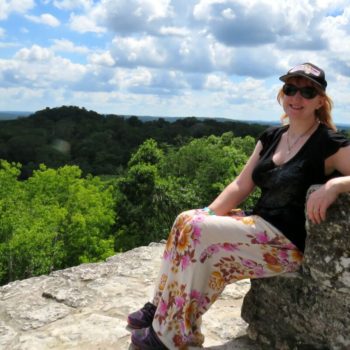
85,307
309,309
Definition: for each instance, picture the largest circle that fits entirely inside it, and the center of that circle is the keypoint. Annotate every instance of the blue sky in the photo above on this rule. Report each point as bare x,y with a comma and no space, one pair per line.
204,58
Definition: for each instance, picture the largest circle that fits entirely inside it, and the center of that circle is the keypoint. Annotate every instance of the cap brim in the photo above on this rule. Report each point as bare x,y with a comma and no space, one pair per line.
285,77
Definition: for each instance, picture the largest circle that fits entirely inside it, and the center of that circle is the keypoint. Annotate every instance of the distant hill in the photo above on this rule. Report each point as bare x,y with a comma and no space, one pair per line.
9,115
99,143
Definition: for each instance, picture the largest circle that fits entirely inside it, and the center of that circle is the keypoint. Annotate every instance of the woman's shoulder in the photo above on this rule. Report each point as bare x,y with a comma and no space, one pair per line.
331,140
271,133
333,135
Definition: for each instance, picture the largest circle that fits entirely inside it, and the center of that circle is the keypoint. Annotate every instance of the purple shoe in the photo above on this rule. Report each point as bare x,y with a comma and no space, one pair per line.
142,318
146,339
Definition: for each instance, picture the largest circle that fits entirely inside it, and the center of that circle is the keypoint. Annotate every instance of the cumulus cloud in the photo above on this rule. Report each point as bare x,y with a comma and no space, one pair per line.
161,83
95,79
38,67
174,31
176,53
123,16
237,92
35,53
336,30
102,59
197,55
45,18
145,51
85,24
258,22
65,45
7,7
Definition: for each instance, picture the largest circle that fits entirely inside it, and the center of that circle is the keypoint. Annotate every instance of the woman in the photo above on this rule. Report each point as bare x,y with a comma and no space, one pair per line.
212,247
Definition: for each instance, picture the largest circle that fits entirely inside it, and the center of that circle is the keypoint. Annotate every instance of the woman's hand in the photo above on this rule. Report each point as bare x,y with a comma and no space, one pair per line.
320,200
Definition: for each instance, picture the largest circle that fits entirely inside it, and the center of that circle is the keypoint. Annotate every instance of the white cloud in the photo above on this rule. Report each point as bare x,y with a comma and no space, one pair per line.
9,6
336,30
134,78
145,51
84,24
189,54
153,9
258,22
217,82
35,53
38,67
203,9
102,59
174,31
65,45
228,14
45,18
331,5
184,57
240,92
123,16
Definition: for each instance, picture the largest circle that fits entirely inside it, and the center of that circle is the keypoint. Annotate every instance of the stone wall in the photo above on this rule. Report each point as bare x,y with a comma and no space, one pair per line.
309,309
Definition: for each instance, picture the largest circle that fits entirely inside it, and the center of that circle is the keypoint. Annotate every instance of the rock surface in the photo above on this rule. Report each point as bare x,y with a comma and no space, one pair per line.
85,307
309,309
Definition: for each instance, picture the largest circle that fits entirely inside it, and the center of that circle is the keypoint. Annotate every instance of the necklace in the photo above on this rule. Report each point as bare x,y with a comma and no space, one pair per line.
291,146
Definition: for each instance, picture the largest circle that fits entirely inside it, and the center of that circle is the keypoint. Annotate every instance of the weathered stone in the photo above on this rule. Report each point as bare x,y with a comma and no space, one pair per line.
85,307
309,309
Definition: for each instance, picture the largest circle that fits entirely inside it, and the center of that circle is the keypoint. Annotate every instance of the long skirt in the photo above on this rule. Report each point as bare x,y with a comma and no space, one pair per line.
203,254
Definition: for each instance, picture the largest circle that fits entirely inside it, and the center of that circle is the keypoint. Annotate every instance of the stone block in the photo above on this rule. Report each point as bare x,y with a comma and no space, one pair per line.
309,309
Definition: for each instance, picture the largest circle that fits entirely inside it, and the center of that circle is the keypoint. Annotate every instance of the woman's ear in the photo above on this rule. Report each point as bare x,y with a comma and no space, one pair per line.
321,102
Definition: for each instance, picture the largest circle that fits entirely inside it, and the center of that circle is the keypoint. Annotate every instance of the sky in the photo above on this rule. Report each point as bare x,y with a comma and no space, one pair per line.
202,58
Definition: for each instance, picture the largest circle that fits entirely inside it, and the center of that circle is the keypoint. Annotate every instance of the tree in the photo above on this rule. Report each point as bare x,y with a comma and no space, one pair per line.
55,219
143,203
157,186
208,164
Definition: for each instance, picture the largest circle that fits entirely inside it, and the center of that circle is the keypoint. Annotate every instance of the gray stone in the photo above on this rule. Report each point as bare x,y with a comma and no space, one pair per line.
309,309
85,307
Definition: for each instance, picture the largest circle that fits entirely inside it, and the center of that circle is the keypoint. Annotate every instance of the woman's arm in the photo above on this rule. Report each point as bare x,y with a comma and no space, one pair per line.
238,189
320,200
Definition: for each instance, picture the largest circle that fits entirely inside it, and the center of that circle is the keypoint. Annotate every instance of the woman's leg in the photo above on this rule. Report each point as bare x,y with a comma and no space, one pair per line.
203,254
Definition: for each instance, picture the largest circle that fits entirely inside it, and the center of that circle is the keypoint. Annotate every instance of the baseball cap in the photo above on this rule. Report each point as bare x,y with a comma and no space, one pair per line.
308,71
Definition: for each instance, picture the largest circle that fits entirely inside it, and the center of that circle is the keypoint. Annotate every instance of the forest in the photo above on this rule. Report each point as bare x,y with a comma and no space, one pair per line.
76,186
98,144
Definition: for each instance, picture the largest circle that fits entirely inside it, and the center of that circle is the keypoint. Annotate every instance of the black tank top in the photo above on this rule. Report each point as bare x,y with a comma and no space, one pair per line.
283,187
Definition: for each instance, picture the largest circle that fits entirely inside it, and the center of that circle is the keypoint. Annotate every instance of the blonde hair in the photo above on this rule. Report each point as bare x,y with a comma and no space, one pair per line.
323,114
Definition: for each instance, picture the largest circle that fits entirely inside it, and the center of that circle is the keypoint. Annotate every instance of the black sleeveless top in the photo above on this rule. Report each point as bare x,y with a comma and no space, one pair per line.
283,187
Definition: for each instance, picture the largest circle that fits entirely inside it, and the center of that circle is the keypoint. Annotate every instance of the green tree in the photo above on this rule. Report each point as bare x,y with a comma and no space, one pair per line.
157,186
208,164
55,219
144,203
88,205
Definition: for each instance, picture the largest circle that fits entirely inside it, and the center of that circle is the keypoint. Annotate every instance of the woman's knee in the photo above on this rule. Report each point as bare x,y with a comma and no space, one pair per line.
185,216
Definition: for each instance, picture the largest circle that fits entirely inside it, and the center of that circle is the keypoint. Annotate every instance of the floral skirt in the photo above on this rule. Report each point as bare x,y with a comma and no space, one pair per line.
203,254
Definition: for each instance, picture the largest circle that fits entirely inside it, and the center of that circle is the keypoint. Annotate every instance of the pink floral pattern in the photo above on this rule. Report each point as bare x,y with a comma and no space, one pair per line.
203,254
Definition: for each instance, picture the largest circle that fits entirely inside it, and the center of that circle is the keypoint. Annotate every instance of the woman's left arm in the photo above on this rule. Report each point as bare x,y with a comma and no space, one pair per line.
320,200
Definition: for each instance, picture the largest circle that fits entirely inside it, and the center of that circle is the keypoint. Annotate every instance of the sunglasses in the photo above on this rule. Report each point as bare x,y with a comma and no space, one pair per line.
308,92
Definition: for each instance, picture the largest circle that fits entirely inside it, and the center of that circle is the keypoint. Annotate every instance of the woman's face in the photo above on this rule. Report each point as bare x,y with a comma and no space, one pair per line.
300,107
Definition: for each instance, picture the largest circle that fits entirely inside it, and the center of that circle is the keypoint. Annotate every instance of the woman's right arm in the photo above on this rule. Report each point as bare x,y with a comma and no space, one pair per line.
239,188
